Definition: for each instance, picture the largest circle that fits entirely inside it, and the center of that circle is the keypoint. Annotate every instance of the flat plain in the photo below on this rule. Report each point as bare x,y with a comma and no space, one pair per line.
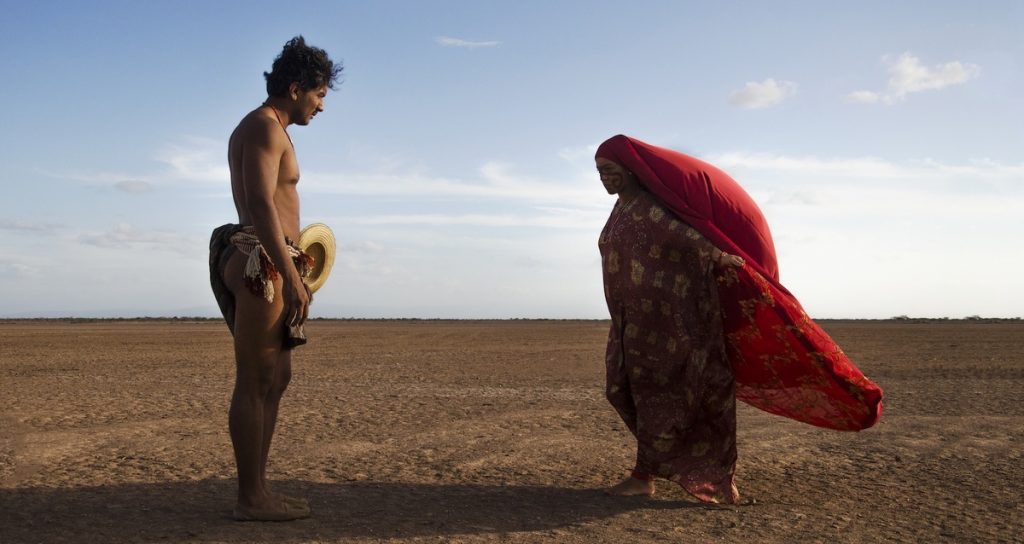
487,431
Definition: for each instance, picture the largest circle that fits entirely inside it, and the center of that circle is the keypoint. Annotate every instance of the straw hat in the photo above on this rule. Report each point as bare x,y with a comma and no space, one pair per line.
318,241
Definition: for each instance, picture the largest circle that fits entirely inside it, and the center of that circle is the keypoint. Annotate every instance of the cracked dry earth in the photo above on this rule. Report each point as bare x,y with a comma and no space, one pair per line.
434,431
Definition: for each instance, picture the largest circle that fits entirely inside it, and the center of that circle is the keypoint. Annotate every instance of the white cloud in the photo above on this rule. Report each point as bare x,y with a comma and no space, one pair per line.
17,269
102,179
448,41
904,206
28,226
134,186
127,237
195,159
496,181
977,176
870,237
524,243
548,218
190,159
360,247
864,97
907,76
758,95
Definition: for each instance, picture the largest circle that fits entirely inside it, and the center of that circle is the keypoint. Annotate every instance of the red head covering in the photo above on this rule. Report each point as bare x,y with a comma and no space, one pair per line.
783,361
700,194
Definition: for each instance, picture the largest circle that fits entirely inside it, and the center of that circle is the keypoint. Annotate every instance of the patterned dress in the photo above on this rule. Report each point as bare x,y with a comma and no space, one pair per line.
668,376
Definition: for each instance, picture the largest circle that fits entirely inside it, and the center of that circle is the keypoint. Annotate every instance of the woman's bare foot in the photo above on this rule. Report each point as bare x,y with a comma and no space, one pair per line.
631,487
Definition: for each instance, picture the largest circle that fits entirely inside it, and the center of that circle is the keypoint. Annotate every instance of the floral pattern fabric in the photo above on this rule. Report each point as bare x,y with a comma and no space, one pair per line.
784,363
668,374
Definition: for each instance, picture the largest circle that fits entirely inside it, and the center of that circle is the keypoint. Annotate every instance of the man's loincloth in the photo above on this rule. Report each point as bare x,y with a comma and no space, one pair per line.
260,272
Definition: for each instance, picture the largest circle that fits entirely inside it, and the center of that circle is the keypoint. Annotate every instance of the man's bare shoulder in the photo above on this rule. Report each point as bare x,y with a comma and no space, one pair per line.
258,127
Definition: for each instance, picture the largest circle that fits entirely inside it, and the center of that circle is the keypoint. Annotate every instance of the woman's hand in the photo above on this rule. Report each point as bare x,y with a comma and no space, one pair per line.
727,259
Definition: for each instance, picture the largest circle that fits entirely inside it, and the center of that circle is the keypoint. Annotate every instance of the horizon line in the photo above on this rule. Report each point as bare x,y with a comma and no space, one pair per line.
899,318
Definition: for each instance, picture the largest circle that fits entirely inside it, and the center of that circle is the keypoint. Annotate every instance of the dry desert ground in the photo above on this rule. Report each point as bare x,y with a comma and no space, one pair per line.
498,431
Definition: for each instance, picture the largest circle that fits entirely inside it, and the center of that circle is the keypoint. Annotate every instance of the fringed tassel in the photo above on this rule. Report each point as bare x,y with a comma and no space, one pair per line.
260,272
269,273
255,276
304,262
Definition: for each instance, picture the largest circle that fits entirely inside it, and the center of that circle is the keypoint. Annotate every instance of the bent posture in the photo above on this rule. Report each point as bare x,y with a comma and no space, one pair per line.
666,367
699,320
257,270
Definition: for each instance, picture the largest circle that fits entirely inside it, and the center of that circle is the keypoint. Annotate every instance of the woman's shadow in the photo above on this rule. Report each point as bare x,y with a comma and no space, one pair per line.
200,511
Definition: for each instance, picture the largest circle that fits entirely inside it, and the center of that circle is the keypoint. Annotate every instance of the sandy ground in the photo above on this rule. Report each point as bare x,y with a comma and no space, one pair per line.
486,432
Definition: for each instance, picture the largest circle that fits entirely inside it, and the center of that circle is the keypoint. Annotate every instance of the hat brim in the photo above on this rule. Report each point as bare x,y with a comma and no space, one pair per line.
317,241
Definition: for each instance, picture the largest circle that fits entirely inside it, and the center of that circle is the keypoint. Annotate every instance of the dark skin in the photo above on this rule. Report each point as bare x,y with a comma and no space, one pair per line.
264,178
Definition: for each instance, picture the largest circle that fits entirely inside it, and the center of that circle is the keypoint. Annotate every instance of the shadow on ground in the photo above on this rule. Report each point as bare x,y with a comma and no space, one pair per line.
200,511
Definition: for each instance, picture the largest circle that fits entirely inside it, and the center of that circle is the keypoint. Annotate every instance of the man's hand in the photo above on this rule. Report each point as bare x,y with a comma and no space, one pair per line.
296,301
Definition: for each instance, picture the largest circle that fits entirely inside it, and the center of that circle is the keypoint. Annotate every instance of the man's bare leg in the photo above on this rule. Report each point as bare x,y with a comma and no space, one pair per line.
258,390
282,376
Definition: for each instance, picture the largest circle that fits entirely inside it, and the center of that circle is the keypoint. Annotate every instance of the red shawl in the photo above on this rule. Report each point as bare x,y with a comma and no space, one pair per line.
784,362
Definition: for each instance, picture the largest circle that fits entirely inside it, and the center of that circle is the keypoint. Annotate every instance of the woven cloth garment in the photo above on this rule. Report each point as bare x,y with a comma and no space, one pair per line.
259,273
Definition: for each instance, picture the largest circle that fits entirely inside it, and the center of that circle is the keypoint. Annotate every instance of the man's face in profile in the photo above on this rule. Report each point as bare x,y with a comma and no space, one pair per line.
310,103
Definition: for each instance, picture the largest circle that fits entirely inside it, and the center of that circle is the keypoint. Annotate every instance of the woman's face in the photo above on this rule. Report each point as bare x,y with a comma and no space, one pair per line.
614,177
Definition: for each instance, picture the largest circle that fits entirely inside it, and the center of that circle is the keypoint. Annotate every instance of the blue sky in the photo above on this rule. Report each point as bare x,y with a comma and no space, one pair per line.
883,141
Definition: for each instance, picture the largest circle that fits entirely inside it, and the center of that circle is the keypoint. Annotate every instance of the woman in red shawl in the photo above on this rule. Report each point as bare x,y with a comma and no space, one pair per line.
700,319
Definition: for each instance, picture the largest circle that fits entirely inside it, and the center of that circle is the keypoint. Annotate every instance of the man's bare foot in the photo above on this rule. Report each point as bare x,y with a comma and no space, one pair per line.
293,500
631,487
275,509
287,498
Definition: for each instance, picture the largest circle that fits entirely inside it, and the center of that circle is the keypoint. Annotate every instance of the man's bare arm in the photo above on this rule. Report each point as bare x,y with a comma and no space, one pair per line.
263,149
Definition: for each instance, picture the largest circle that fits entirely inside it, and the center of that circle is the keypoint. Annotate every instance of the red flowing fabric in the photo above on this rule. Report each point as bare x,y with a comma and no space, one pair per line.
784,363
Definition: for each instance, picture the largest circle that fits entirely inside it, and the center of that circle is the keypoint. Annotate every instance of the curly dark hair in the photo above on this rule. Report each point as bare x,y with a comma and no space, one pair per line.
306,65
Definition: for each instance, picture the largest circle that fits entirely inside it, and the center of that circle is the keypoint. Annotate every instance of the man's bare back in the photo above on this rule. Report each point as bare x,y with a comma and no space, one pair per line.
261,140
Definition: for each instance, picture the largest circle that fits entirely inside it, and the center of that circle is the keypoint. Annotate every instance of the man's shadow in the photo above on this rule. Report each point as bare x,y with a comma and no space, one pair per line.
201,511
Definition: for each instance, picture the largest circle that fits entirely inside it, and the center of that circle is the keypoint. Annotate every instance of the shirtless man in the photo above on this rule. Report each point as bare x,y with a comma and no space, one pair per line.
257,271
